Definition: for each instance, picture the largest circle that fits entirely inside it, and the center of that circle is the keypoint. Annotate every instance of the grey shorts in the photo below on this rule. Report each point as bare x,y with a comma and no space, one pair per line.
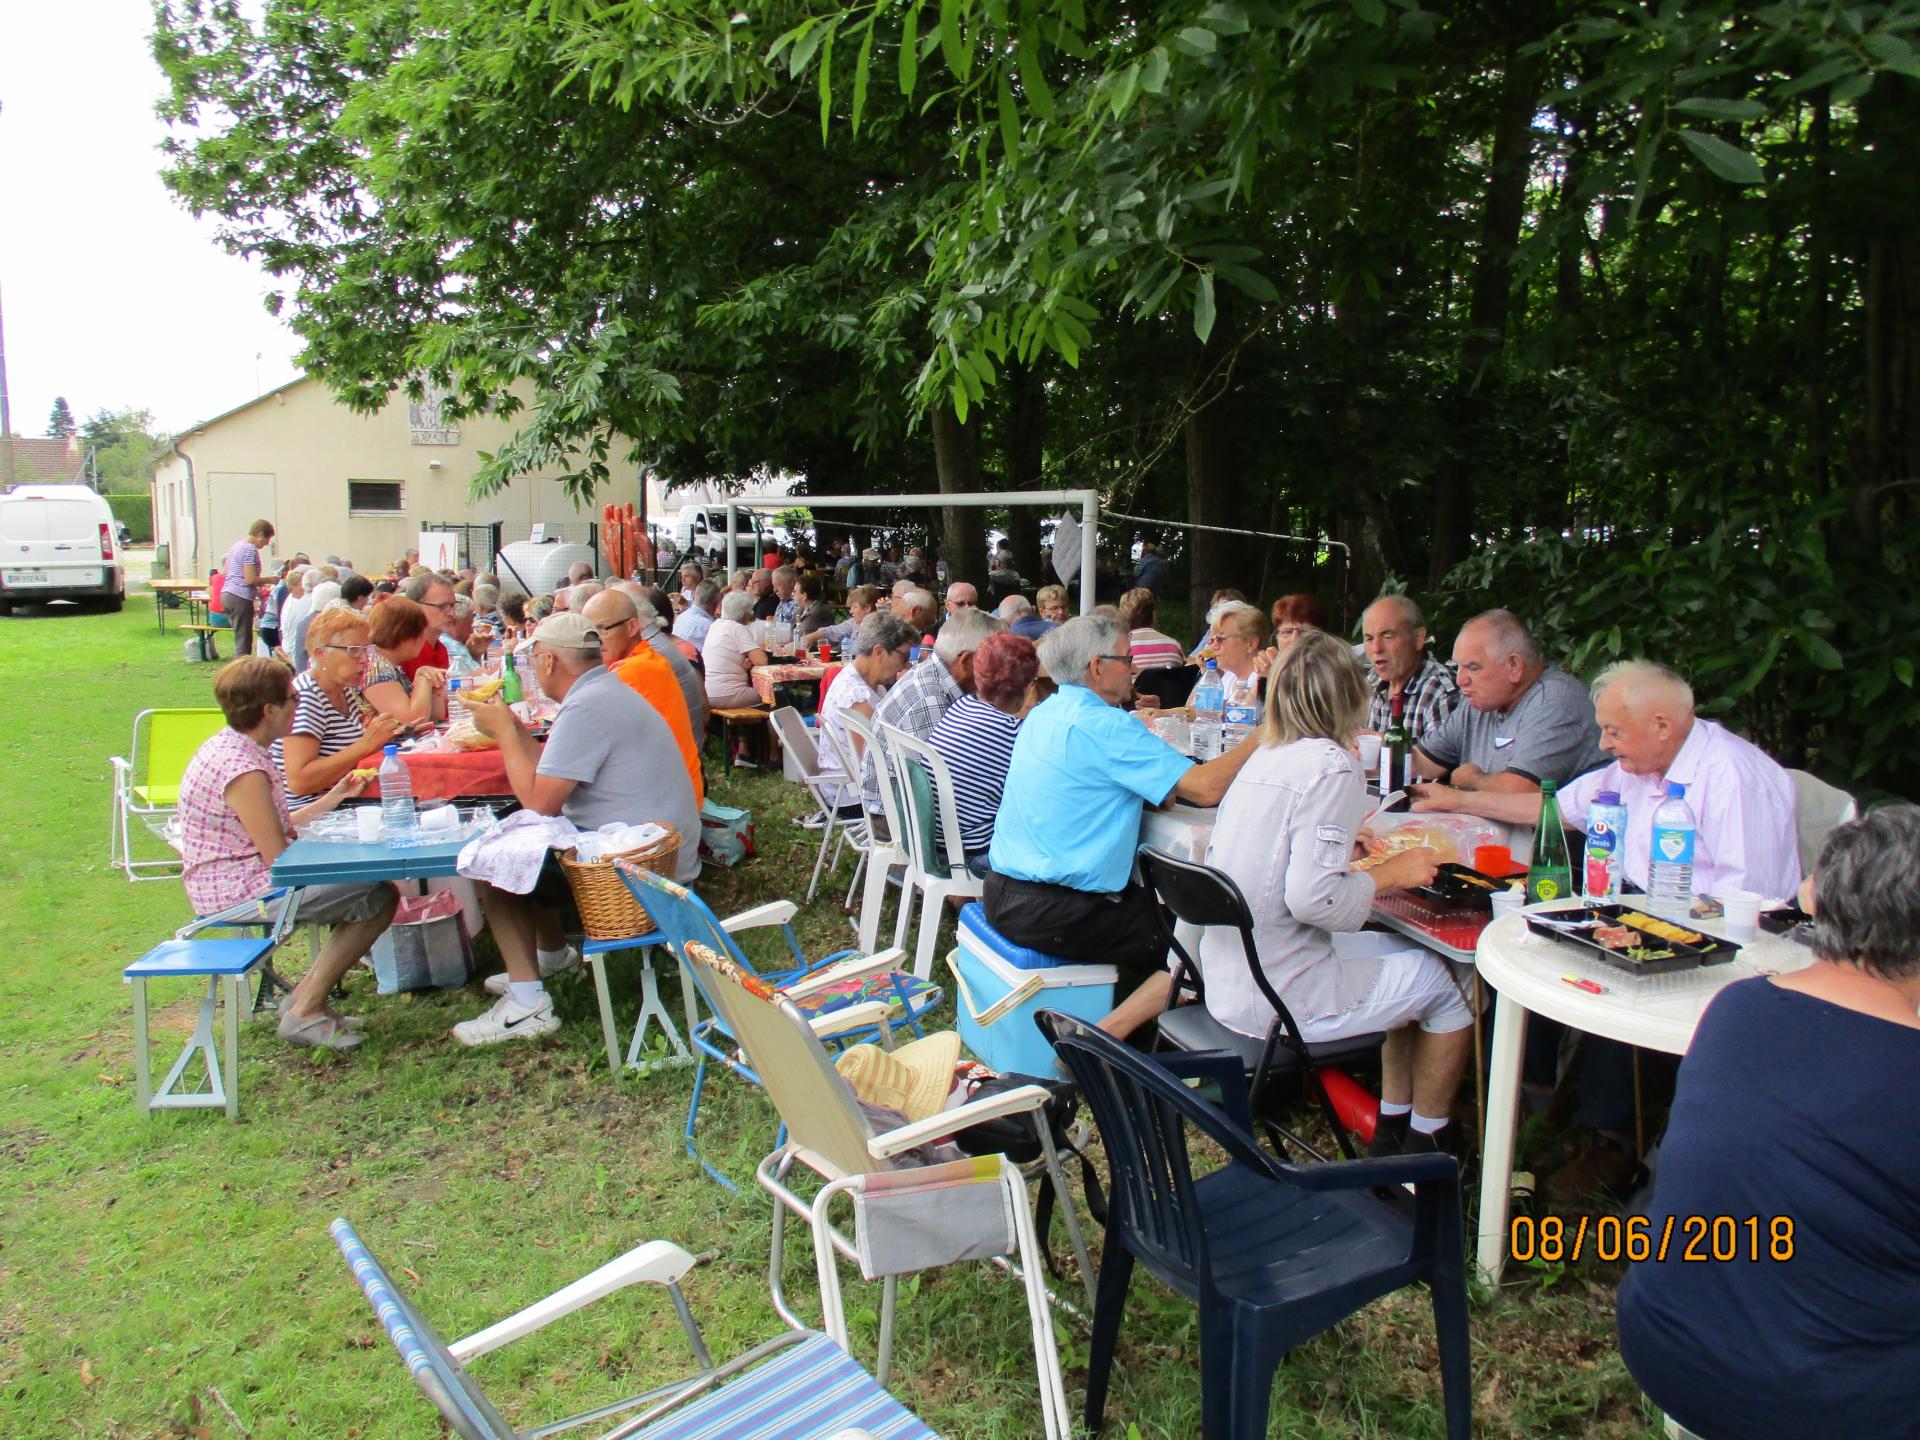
342,904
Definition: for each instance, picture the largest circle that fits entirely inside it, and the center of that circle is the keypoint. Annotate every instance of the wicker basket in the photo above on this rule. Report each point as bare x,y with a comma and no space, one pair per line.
608,910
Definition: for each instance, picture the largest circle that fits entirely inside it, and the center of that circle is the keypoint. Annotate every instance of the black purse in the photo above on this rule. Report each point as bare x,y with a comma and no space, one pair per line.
1017,1137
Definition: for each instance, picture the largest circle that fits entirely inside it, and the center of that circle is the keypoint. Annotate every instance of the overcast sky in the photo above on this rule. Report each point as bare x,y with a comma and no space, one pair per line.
113,295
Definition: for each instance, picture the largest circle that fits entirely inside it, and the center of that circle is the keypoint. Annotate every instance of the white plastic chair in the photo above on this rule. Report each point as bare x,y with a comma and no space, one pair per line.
936,859
829,1134
884,854
802,759
1818,810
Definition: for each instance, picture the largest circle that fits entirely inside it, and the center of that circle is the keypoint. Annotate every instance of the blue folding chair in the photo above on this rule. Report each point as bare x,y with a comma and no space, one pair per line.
799,1385
1272,1253
848,997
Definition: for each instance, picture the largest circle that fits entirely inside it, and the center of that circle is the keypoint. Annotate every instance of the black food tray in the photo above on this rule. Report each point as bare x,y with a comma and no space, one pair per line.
1462,887
1575,926
1790,921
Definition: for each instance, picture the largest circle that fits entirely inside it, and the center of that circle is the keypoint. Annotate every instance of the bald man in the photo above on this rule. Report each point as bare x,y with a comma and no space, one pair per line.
625,651
1525,721
961,596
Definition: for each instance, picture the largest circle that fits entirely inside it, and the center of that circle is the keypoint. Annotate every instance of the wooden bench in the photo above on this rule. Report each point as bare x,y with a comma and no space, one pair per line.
722,720
203,635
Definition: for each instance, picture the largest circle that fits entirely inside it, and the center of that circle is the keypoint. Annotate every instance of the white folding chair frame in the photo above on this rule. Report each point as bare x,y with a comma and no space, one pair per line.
836,830
883,856
901,749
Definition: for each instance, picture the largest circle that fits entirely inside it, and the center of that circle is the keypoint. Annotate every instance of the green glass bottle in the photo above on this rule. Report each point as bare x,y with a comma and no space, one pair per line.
1550,873
510,690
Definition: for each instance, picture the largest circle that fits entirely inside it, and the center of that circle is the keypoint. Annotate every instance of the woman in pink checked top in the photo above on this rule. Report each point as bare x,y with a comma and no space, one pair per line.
233,822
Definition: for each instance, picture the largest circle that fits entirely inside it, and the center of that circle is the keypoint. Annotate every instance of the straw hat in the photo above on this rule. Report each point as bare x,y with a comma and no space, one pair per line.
914,1079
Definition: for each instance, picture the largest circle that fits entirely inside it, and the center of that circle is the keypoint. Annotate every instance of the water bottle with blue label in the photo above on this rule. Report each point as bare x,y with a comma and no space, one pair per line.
1209,709
1670,877
1606,839
1241,712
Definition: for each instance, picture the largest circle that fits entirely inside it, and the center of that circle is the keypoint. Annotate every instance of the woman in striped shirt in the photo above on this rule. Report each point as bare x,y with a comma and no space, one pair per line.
975,736
1151,648
334,729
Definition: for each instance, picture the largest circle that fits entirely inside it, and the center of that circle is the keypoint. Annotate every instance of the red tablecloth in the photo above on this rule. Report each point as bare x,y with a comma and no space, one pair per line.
446,774
765,677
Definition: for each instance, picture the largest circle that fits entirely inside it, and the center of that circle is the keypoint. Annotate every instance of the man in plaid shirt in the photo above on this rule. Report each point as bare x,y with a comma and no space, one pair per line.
924,693
1394,633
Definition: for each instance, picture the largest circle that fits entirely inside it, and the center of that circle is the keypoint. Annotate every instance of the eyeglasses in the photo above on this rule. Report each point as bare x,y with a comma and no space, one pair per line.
444,606
1291,632
358,652
1123,659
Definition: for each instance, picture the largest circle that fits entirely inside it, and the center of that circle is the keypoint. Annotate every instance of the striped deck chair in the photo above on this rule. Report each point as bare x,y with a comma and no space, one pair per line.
799,1385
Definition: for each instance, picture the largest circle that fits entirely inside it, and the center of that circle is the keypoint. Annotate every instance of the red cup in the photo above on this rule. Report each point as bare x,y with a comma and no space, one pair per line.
826,652
1494,860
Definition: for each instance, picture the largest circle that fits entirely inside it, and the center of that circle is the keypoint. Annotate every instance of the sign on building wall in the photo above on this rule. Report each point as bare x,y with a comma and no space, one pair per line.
439,549
427,425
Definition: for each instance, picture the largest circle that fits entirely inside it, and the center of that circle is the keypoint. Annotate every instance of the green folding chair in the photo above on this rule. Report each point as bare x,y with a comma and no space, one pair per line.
146,788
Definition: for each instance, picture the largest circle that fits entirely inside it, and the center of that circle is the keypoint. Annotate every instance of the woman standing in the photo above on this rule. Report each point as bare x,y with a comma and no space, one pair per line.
327,739
242,581
234,821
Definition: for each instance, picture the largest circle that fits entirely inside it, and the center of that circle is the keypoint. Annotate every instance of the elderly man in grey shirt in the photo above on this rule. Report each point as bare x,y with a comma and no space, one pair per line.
1524,722
609,758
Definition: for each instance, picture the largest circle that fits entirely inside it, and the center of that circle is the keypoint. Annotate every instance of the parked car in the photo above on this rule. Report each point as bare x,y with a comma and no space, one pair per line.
58,542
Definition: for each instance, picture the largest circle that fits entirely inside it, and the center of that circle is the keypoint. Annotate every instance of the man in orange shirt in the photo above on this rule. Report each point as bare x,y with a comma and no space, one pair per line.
626,653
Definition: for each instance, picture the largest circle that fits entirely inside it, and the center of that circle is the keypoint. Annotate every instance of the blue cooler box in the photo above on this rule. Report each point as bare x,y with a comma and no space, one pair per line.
997,1001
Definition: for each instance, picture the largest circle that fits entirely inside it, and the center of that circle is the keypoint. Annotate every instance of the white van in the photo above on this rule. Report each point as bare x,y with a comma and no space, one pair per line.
59,542
704,527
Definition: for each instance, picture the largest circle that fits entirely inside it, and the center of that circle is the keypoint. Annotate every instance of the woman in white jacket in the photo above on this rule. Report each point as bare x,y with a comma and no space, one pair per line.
1288,833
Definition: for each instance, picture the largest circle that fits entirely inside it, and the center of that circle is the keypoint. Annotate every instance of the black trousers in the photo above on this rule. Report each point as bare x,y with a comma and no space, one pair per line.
1080,926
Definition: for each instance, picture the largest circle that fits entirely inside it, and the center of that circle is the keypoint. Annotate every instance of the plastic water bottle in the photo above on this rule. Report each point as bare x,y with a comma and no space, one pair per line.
1670,878
396,801
1606,840
1209,711
1241,713
456,707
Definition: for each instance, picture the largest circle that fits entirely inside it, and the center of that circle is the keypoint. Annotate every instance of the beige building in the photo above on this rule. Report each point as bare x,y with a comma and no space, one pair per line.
336,482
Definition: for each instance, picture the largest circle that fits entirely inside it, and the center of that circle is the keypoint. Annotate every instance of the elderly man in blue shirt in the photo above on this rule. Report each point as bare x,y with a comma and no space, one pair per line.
1069,822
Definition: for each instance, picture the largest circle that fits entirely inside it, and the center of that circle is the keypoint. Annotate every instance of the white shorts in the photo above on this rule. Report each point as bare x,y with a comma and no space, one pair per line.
1414,985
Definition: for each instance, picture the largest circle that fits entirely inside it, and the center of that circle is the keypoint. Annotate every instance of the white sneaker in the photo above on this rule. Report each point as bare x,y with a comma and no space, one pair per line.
505,1020
497,984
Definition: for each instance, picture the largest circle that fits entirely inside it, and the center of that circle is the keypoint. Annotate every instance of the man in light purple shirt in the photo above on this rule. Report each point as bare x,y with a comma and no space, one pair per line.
1748,839
1742,799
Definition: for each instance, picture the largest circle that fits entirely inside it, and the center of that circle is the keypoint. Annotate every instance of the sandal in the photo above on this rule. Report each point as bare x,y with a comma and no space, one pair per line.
322,1032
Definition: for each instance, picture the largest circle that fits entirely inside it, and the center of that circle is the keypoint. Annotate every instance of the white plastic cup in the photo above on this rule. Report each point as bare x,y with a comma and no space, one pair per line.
444,817
1740,914
1369,754
366,820
1507,902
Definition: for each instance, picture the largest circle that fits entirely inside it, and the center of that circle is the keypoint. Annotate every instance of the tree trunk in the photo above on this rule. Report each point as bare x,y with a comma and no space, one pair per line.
956,463
1470,409
1890,442
1026,429
1210,495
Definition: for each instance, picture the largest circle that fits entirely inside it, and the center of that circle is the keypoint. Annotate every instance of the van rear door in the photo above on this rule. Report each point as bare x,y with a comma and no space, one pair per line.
49,543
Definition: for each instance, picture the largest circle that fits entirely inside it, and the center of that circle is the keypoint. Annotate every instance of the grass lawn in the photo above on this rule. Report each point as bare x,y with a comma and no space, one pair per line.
147,1263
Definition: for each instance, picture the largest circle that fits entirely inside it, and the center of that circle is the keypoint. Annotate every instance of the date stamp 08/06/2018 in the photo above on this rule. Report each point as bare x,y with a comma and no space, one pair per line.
1691,1239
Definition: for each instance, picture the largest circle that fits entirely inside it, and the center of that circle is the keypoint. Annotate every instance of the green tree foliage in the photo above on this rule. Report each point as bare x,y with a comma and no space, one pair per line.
1597,310
122,445
60,420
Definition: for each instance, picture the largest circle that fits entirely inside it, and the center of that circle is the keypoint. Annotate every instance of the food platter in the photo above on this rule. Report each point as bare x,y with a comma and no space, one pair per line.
1462,887
1632,940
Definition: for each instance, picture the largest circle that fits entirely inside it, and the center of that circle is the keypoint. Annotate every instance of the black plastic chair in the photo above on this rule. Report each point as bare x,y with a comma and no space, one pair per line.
1272,1253
1171,685
1201,896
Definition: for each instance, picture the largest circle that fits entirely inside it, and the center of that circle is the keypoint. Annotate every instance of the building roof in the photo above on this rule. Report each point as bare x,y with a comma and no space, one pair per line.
45,458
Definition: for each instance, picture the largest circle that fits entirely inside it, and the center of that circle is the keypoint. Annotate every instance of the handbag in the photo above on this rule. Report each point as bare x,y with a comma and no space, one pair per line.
726,834
1016,1137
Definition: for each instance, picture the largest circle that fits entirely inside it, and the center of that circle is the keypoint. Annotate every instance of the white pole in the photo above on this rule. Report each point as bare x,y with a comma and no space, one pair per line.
732,530
1089,544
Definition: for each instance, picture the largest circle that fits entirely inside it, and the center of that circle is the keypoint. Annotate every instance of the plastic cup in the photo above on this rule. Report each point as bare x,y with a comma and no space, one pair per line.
1740,914
366,821
1369,753
1495,860
1507,902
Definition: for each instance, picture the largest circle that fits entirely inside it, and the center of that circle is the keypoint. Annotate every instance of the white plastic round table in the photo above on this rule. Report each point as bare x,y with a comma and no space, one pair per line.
1529,974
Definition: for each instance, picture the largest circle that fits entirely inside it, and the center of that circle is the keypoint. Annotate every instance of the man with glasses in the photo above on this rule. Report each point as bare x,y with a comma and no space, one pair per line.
435,596
625,651
610,758
1069,821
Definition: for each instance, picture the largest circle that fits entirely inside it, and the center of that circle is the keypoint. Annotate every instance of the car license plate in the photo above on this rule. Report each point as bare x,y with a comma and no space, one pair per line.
24,577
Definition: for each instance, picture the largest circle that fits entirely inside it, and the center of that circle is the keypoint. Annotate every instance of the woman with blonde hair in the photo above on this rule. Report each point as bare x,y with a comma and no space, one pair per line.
1288,833
334,732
